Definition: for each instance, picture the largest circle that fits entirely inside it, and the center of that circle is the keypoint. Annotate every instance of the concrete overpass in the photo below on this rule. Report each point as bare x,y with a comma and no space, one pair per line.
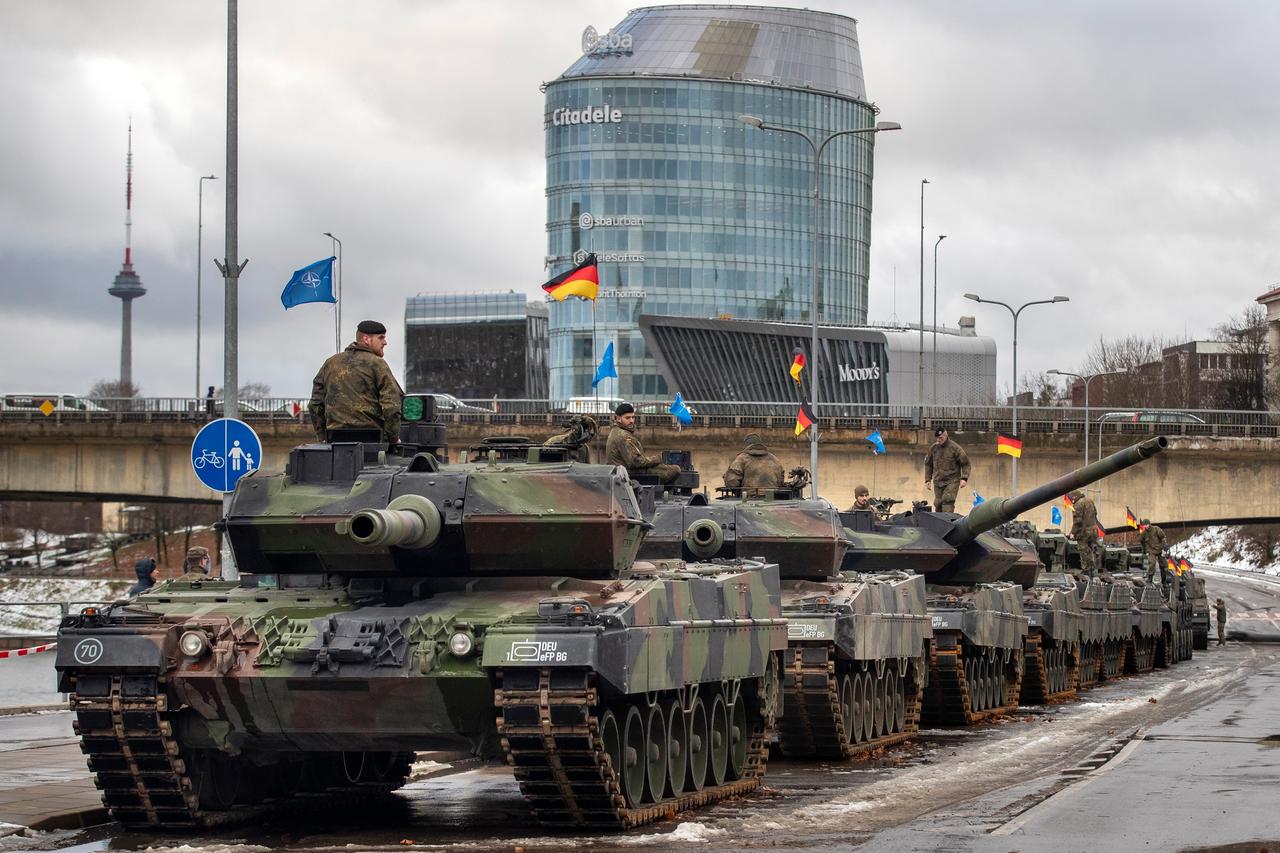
1200,478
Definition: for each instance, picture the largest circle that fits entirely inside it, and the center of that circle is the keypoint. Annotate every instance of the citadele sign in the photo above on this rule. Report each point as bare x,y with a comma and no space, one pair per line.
586,115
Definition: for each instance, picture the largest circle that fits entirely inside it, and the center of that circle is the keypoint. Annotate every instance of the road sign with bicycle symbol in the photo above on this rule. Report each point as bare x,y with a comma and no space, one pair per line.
224,451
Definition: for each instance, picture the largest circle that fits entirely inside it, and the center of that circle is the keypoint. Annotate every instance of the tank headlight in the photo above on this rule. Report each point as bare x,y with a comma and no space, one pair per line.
193,643
461,644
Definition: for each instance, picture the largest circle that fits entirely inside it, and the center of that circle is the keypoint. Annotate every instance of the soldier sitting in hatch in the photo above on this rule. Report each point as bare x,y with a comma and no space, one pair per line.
754,469
624,448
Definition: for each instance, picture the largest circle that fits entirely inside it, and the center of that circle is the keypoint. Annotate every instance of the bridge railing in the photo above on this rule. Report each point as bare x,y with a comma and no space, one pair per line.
546,414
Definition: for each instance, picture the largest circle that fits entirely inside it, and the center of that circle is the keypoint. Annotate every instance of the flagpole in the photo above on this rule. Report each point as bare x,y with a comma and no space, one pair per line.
594,360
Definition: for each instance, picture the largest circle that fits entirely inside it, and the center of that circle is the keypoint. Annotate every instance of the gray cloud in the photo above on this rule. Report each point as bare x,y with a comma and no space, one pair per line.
1117,153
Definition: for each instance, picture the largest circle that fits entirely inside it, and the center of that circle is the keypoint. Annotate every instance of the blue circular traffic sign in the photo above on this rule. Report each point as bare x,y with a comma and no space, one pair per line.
224,451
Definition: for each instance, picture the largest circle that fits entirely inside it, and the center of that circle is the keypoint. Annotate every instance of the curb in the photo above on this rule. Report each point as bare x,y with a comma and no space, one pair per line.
18,710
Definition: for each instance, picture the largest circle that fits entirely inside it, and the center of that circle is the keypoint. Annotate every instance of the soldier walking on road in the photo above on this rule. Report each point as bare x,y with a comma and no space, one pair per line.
754,469
1084,529
1221,607
1153,543
356,389
947,468
623,448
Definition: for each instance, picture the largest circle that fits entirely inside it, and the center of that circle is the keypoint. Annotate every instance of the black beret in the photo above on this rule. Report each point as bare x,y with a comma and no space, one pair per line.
939,430
371,327
623,409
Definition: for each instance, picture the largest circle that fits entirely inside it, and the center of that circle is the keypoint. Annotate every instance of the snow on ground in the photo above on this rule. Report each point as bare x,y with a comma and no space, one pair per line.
1225,546
43,618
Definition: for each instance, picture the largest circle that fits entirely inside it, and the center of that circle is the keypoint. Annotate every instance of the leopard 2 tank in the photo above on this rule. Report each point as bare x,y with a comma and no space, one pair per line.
389,603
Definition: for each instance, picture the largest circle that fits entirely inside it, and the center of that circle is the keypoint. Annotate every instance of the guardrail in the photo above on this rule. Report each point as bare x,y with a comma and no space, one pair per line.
546,414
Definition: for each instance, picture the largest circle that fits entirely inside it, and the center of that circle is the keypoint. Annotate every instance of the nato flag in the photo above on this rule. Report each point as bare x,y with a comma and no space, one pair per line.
1055,516
877,442
606,368
683,416
312,283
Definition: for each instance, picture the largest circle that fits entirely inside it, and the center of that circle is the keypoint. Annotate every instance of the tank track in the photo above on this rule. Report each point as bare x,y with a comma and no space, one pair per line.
1088,674
1140,654
1049,674
551,734
816,723
147,782
954,696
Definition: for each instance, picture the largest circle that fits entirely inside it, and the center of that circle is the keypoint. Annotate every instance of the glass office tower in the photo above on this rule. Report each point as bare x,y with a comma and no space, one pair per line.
690,212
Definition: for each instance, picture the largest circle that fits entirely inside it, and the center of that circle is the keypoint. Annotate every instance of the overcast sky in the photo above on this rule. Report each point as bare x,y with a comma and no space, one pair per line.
1121,153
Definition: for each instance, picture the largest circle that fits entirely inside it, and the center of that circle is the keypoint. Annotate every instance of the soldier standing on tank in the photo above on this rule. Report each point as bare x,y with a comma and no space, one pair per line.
623,448
579,430
947,468
1152,540
1221,607
355,389
755,468
862,499
1084,529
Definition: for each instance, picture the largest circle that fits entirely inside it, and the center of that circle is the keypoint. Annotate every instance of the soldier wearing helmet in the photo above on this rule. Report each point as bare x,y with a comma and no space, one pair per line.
196,564
1153,543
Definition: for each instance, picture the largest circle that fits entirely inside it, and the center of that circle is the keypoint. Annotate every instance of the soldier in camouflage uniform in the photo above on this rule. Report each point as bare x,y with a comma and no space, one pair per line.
196,564
355,389
947,468
1084,529
862,499
623,448
754,469
1221,607
579,430
1153,543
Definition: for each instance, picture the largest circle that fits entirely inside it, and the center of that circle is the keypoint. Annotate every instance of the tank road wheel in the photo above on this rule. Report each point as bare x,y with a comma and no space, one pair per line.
877,707
216,779
655,754
350,767
886,701
858,730
719,741
739,738
900,703
611,739
848,708
287,776
999,679
868,707
699,746
677,748
633,755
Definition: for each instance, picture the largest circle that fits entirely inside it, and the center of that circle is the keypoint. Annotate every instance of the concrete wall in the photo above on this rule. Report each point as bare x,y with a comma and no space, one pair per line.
1199,478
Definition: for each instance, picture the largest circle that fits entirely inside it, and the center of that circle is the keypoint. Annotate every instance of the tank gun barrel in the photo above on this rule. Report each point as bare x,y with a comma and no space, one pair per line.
409,521
997,511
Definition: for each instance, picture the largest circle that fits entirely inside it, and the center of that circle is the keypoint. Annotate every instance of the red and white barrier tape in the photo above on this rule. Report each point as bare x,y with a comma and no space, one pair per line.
17,653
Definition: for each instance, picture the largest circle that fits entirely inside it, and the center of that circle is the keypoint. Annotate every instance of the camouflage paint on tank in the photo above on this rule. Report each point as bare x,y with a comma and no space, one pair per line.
988,615
867,617
1053,609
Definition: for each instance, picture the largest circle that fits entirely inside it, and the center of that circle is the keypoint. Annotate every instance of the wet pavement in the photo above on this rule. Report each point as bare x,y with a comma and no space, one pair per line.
1151,758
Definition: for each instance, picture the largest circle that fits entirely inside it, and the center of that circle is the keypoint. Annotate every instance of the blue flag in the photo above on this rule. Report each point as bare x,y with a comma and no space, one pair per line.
312,283
606,367
876,441
1055,516
681,411
977,498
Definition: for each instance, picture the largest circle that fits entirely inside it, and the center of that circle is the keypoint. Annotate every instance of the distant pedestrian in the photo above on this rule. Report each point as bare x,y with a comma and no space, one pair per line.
147,572
1221,607
209,404
947,469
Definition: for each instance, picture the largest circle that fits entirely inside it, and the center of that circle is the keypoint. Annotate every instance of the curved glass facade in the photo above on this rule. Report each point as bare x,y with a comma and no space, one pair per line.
690,212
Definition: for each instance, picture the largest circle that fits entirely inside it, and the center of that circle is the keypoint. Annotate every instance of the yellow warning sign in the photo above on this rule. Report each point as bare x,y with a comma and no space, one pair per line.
47,407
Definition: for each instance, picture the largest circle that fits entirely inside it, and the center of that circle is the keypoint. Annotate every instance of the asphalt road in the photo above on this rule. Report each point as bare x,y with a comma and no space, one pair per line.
1124,764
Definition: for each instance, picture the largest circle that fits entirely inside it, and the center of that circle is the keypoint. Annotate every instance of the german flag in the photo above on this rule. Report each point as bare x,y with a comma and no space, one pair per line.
1102,531
1130,519
1009,444
797,364
583,281
1066,501
1172,566
804,418
1184,565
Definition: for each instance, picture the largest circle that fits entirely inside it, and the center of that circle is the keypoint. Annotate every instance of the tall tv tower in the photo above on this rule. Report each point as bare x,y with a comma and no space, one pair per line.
127,285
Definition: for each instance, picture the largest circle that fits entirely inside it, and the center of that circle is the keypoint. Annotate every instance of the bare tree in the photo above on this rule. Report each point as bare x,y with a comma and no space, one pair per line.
1045,389
1242,382
1131,369
112,389
113,543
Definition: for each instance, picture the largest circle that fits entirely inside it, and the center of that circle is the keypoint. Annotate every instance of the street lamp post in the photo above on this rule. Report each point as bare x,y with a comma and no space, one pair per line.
941,237
920,354
337,297
199,264
1015,312
1086,380
818,148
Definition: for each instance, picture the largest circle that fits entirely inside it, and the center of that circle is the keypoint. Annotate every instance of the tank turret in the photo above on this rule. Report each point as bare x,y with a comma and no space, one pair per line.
965,549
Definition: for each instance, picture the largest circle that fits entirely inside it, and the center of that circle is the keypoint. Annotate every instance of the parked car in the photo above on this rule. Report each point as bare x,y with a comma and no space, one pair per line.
1150,418
60,402
448,403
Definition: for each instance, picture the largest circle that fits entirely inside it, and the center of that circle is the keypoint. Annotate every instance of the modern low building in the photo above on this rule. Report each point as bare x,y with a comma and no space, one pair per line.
748,361
478,345
690,211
